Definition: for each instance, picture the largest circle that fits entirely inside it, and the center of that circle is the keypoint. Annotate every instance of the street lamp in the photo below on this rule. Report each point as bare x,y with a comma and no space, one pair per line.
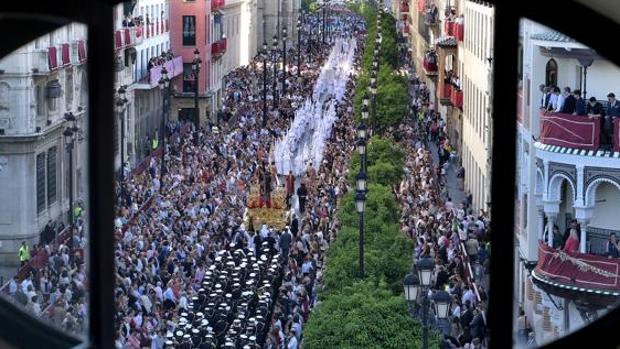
364,112
361,146
361,181
274,43
361,130
121,102
196,63
265,56
164,86
70,134
360,206
284,37
425,268
442,304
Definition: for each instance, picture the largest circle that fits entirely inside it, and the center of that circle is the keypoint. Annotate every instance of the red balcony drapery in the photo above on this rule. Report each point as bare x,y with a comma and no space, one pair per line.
577,269
446,91
218,47
428,66
52,58
138,31
216,4
81,51
404,7
571,131
118,41
456,97
449,28
66,55
459,31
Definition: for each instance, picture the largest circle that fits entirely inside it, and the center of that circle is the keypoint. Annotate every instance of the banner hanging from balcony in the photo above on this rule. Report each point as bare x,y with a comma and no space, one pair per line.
579,270
573,131
174,68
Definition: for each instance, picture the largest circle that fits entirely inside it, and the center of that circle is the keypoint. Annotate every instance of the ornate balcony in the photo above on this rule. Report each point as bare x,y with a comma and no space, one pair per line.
580,275
430,65
218,48
572,131
445,91
456,97
174,68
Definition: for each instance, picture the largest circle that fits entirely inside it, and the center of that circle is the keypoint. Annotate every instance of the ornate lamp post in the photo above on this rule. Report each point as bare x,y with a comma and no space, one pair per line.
120,105
71,135
196,64
416,287
275,71
360,206
284,37
164,86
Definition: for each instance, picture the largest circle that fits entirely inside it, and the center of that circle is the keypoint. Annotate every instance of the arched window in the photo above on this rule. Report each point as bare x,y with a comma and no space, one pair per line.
551,73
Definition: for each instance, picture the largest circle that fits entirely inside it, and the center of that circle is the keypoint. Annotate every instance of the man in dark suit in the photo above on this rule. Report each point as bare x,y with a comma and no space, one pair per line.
568,107
613,111
580,103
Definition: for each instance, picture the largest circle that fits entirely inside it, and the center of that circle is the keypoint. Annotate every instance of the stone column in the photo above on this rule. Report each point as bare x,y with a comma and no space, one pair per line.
541,223
551,217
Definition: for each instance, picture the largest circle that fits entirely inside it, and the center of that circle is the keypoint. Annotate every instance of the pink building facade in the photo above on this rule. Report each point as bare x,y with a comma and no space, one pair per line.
190,30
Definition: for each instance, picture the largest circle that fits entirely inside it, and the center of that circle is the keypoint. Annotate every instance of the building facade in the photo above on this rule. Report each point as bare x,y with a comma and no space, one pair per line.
451,46
148,106
564,174
41,84
190,30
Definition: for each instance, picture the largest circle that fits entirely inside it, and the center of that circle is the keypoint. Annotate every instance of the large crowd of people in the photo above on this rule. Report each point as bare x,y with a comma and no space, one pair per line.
191,273
450,233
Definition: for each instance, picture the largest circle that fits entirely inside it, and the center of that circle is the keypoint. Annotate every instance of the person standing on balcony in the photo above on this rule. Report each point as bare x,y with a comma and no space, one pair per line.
580,103
561,99
613,246
553,99
546,93
613,111
569,103
572,244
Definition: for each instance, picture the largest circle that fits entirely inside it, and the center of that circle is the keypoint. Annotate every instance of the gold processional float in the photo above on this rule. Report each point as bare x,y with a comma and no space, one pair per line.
258,213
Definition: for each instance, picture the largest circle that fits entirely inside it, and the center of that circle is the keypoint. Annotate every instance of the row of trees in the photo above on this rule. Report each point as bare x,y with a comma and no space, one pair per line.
370,313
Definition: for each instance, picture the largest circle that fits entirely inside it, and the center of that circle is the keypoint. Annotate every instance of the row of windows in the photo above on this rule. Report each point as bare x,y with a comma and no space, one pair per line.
46,178
478,39
476,104
153,12
474,179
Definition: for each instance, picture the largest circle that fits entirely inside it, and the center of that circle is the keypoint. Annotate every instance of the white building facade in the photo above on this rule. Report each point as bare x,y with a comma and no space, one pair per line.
556,184
475,61
41,84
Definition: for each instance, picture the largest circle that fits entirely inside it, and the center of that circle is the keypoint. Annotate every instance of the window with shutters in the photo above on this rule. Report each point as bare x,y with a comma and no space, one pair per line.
40,182
51,175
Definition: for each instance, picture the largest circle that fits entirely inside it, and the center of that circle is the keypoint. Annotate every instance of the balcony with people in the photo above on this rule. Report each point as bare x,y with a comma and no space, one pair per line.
218,48
431,16
150,78
568,273
429,62
453,25
583,127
